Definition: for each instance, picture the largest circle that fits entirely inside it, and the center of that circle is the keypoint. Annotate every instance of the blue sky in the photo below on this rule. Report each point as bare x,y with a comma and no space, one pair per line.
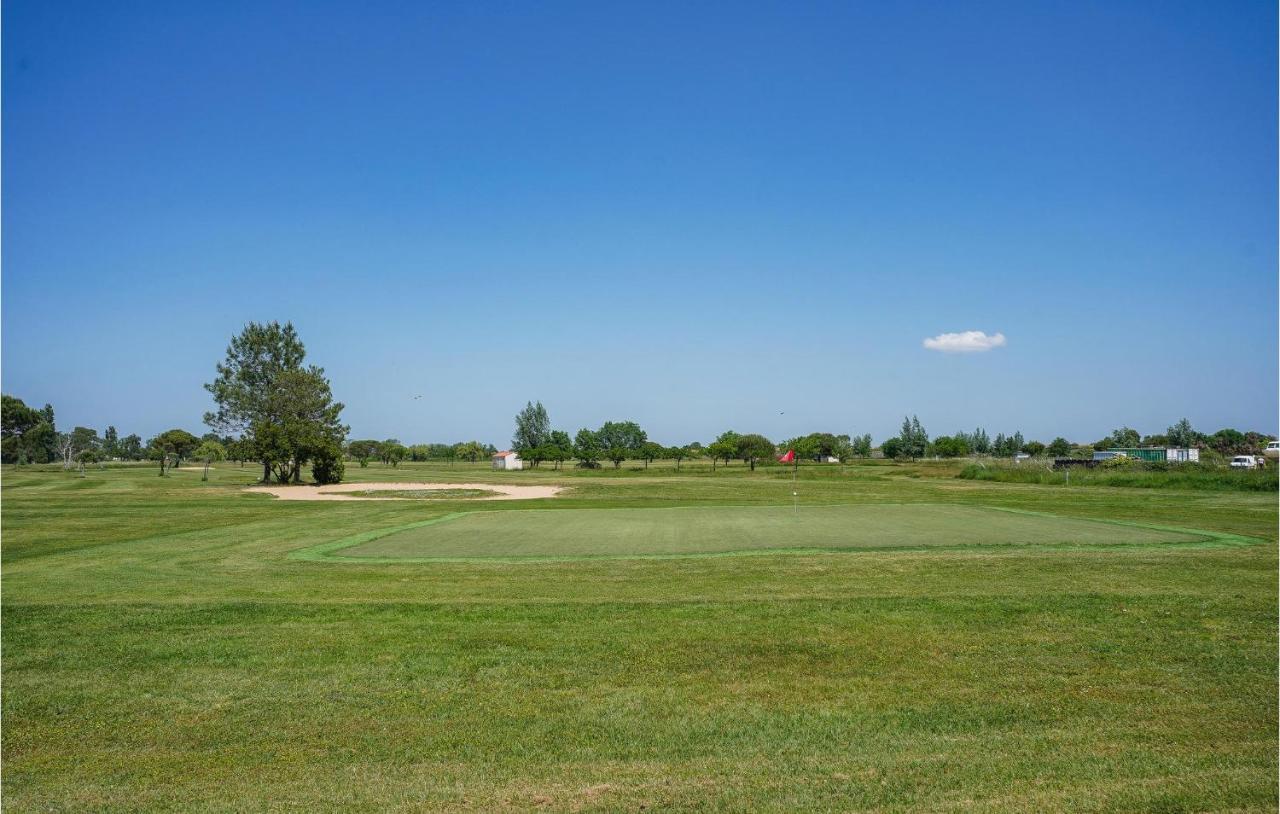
698,216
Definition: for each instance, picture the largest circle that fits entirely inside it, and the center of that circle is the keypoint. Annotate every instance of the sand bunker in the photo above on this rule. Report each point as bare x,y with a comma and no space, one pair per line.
344,491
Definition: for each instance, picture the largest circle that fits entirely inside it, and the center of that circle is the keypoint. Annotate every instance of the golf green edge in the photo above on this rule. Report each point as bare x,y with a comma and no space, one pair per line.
325,552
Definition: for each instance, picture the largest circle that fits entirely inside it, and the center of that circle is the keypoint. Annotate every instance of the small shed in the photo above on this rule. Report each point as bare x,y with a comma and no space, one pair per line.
507,460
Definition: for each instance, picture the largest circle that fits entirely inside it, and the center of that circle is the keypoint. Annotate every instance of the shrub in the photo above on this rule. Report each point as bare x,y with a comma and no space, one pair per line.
1120,462
328,467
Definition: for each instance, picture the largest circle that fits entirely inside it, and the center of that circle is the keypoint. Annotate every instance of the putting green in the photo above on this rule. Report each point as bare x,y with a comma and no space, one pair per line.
628,533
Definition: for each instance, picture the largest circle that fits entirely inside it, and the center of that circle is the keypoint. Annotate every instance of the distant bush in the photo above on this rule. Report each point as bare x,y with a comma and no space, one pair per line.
1133,473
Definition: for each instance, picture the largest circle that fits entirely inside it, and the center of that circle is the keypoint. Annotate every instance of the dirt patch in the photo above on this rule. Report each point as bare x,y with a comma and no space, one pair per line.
345,491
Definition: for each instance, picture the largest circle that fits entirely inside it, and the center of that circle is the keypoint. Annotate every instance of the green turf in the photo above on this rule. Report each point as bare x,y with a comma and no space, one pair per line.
166,649
727,529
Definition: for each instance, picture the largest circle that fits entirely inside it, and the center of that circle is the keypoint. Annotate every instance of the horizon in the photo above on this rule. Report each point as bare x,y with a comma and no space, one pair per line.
1052,220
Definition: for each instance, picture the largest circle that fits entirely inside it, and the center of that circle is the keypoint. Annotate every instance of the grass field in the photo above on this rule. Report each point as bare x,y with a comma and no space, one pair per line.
170,645
694,531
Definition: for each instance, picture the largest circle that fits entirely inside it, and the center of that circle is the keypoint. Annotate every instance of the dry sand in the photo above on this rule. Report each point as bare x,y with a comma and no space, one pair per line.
342,491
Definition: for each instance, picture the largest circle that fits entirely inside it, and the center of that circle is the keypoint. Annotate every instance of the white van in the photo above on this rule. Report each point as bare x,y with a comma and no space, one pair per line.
1244,462
1272,450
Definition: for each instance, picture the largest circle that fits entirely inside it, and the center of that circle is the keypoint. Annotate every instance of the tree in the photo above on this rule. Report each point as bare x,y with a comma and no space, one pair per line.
946,446
651,451
393,452
384,446
1034,448
110,443
155,452
17,423
209,451
1228,442
559,447
818,445
843,448
1123,438
586,448
1007,445
534,455
172,444
264,393
71,444
533,430
1016,442
40,444
238,449
89,456
177,443
1059,447
805,446
1254,442
894,448
327,466
469,450
724,448
678,454
1182,435
130,448
364,450
752,447
861,445
555,453
620,440
915,441
980,442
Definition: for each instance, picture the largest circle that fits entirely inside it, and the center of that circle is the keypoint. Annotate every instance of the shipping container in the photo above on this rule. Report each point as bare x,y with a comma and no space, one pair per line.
1142,453
1153,454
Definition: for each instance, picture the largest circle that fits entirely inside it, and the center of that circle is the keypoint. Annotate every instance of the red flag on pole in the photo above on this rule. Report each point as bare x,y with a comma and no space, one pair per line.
788,458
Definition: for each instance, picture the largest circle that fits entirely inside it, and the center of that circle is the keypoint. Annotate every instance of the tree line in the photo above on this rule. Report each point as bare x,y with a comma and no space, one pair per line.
273,409
618,441
913,442
30,436
392,452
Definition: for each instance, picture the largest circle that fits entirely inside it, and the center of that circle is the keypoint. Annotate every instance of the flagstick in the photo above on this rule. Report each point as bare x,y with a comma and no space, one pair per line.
795,495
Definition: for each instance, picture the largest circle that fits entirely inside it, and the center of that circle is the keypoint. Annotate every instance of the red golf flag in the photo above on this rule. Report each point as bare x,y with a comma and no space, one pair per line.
788,458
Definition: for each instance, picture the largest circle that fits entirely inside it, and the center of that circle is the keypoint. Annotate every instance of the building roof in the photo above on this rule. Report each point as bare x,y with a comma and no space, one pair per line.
504,453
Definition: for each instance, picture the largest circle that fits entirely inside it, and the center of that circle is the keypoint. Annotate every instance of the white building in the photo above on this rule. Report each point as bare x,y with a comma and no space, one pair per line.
507,460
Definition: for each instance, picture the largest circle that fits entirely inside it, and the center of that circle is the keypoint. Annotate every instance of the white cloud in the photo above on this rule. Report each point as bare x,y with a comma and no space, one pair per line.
965,342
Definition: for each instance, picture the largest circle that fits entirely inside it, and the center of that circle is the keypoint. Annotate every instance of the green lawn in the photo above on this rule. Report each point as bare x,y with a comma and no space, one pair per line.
167,648
735,529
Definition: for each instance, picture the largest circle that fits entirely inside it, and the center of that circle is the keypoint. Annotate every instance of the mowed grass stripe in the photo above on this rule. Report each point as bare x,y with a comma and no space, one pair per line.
709,531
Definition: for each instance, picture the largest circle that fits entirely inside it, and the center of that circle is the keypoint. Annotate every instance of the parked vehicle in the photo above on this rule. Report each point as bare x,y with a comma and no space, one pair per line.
1244,462
1272,450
